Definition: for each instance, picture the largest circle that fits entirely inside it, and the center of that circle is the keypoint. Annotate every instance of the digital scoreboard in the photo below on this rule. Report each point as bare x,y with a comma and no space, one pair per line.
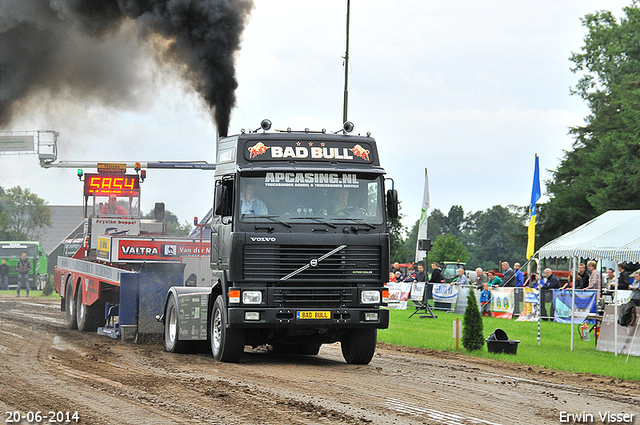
125,185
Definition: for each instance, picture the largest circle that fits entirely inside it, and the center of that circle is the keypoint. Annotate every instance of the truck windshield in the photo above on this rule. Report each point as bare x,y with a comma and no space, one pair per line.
297,197
113,206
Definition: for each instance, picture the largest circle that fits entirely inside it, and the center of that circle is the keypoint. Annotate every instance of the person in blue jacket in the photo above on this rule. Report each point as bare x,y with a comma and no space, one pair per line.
485,300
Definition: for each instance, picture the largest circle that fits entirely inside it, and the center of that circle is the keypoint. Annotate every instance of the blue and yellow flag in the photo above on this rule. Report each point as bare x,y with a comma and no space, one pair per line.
535,195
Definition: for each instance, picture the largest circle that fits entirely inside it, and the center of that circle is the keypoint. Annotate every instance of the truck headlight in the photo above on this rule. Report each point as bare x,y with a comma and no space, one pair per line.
370,297
252,297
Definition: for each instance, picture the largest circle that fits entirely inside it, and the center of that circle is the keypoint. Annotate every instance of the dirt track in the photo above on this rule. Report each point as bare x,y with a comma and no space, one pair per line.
46,367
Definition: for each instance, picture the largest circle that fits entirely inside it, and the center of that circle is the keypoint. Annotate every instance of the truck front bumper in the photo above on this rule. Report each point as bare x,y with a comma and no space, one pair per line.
342,318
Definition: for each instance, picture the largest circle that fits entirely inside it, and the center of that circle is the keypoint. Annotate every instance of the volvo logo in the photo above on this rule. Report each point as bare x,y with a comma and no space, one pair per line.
263,239
314,262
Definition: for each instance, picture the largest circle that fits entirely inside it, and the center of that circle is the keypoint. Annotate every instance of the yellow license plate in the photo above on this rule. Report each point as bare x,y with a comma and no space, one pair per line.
314,315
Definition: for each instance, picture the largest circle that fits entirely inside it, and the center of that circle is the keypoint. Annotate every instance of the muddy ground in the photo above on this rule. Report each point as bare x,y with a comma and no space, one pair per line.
48,368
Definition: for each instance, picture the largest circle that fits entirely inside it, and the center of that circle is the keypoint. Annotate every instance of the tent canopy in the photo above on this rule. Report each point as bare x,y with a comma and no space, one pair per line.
615,235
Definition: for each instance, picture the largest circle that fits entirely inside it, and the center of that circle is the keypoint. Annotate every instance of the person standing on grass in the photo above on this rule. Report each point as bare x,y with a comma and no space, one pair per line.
24,267
595,280
4,276
485,300
623,278
519,275
462,279
584,277
436,274
509,276
481,278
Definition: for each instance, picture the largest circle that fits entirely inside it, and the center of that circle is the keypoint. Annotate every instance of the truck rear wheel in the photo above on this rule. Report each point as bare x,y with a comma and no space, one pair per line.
70,306
227,345
90,317
359,345
172,328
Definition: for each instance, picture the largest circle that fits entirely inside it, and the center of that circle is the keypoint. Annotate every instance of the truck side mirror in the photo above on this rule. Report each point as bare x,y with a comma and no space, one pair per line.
221,202
392,203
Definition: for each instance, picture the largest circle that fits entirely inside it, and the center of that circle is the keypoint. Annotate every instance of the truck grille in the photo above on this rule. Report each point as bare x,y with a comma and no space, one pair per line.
352,264
314,298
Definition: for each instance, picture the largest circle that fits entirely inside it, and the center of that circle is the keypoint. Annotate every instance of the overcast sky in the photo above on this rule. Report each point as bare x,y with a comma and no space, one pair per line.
471,90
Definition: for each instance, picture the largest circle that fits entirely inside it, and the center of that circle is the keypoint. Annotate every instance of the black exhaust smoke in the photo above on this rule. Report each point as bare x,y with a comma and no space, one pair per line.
76,47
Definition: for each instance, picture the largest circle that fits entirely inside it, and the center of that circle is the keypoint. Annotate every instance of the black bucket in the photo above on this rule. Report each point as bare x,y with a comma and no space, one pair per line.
499,342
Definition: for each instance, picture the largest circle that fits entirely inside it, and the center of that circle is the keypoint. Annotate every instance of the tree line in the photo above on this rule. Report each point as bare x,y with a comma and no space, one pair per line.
600,173
480,238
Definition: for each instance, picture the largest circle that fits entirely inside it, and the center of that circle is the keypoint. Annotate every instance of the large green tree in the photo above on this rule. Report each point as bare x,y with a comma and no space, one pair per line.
23,215
602,172
448,248
499,234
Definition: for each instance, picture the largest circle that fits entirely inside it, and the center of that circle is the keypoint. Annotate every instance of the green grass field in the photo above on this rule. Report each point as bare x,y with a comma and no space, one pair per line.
32,293
554,351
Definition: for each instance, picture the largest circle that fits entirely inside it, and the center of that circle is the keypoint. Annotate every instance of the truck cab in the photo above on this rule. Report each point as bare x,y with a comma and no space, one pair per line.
299,244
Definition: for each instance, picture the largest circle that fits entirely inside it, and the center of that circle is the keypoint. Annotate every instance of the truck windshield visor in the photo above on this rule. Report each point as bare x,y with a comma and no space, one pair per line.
300,197
15,250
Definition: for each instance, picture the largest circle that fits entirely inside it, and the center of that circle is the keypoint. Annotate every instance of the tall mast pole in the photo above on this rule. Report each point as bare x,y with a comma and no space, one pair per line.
346,69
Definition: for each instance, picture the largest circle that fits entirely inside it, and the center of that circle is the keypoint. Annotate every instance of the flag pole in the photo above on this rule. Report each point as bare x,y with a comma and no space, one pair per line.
536,192
422,223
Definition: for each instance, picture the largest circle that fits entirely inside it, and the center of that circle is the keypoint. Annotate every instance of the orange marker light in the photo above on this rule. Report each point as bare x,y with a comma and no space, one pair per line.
234,296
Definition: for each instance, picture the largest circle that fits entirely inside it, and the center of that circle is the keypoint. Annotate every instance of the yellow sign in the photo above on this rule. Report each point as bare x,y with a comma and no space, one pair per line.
103,251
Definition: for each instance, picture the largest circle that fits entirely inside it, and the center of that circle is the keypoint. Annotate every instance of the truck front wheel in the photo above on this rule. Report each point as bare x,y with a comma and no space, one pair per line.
227,345
359,345
70,306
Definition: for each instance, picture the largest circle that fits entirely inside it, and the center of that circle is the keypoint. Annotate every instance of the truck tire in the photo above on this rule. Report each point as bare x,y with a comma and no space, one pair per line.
70,306
359,345
172,327
90,317
227,345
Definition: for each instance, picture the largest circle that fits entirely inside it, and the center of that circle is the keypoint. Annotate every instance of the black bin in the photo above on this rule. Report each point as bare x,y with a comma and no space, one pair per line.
499,342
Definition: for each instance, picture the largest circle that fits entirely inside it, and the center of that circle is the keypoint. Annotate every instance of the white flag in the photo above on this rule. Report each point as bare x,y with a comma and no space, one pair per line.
422,224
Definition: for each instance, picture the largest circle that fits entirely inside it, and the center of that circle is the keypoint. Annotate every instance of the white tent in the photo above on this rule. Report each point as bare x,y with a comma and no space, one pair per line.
615,235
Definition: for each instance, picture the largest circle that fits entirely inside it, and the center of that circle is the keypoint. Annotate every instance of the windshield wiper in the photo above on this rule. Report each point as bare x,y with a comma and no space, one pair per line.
357,220
317,220
270,217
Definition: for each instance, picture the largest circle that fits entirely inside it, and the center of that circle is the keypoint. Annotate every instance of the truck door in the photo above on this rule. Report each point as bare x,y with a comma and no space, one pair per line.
221,223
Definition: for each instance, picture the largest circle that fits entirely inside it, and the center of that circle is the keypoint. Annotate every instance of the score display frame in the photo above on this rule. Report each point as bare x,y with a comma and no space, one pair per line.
103,184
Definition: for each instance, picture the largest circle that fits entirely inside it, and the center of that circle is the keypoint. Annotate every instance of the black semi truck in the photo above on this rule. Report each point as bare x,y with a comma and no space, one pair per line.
299,248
